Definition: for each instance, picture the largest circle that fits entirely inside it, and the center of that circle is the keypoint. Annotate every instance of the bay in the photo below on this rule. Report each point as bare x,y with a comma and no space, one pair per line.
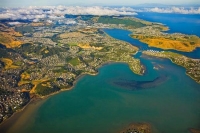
106,103
96,104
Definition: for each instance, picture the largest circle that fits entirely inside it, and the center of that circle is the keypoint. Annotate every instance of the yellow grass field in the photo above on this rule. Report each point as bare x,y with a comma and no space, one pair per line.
88,30
9,41
25,78
35,83
180,44
72,35
8,63
37,24
87,46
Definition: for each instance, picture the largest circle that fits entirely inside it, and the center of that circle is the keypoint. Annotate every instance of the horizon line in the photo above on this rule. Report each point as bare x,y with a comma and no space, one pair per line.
111,5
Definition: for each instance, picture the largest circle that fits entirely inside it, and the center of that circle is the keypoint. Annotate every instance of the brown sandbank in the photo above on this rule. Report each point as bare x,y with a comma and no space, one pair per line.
18,119
138,128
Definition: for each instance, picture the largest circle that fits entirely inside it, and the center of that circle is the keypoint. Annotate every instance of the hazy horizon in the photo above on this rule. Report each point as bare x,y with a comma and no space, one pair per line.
24,3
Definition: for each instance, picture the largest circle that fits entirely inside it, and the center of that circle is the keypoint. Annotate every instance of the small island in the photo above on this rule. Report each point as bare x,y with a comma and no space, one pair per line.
192,130
138,128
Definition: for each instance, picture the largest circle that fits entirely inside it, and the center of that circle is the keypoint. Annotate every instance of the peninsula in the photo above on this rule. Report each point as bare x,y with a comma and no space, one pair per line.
154,37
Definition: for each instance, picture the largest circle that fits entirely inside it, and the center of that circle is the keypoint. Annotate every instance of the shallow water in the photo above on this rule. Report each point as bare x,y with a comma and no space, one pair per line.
96,105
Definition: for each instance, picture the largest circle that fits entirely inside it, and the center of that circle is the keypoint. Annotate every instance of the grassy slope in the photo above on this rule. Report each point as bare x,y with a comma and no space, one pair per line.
186,44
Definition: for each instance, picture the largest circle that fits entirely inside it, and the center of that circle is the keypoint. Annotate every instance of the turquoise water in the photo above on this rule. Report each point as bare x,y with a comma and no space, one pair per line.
97,105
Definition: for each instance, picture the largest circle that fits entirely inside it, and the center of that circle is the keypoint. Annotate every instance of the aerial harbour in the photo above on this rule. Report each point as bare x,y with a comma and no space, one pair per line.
82,67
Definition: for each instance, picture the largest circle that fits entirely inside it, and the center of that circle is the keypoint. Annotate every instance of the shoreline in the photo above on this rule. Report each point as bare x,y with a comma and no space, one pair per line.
38,97
11,121
137,49
164,48
176,64
35,99
83,74
137,127
185,70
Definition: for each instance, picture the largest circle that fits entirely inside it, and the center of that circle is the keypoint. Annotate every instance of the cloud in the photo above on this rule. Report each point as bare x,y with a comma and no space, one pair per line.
35,13
14,23
56,12
179,10
67,22
98,11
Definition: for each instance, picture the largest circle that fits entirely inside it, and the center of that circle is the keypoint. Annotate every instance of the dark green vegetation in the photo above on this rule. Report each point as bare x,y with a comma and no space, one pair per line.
82,17
38,49
125,21
2,65
24,29
4,52
5,92
74,61
46,88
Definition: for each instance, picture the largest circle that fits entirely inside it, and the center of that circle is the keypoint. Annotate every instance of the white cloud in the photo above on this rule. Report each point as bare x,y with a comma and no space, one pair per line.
97,11
49,21
6,15
56,12
35,13
179,10
14,23
67,21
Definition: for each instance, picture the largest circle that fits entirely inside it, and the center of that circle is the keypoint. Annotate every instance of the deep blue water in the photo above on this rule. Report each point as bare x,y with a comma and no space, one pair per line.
182,23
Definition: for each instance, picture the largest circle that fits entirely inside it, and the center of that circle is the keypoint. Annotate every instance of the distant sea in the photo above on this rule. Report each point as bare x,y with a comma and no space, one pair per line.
178,23
116,97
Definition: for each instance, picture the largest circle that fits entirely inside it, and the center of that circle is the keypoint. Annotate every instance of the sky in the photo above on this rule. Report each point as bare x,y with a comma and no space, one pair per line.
24,3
